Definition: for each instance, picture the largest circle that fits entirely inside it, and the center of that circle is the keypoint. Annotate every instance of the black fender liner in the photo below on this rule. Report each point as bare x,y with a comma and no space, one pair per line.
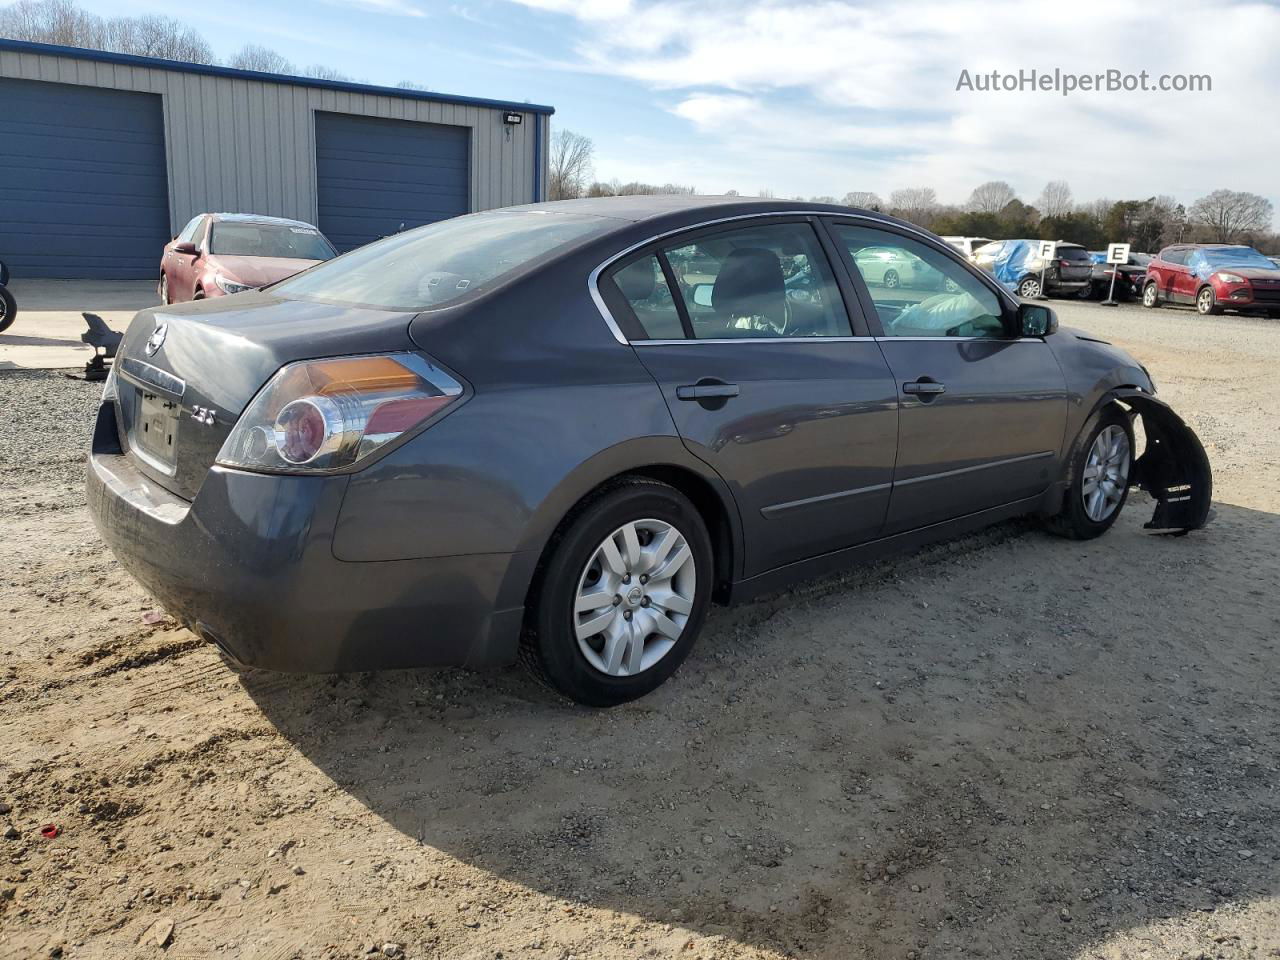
1174,468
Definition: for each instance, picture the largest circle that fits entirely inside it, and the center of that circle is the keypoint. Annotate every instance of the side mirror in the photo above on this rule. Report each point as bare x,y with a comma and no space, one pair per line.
702,294
187,247
1036,320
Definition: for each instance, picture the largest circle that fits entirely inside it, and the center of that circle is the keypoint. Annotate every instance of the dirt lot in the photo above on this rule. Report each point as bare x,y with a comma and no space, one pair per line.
1011,746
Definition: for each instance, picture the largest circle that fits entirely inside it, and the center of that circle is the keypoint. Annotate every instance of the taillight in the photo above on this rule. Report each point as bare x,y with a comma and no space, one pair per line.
318,416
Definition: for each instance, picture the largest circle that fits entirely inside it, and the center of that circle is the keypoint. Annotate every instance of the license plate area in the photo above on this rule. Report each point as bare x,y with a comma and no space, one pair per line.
155,430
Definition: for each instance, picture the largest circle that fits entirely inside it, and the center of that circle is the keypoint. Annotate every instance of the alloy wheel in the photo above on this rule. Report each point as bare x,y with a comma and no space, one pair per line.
1149,295
1029,289
891,278
634,597
1204,301
1106,473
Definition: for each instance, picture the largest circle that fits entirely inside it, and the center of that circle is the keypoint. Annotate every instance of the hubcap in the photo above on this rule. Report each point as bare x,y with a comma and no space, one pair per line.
634,597
1206,301
1149,296
1106,473
1031,288
890,279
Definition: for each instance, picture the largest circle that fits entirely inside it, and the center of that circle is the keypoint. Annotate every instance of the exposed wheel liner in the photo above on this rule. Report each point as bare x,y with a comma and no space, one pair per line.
1174,468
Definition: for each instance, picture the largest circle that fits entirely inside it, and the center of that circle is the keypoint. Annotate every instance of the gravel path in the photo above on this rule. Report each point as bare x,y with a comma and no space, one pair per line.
1008,746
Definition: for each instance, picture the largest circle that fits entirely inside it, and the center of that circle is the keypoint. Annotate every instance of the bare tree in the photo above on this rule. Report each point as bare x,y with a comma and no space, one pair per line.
153,35
53,21
764,193
570,165
823,198
864,199
916,204
732,193
254,57
318,71
1232,214
412,85
991,197
1055,199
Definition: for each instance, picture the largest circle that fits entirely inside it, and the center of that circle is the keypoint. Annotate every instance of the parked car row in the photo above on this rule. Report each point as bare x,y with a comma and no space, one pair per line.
1213,277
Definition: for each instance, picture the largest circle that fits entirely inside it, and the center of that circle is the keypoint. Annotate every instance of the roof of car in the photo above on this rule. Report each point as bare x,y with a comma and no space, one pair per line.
648,206
259,218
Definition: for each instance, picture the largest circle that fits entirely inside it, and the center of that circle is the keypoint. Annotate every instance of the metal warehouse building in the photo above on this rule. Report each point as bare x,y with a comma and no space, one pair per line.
103,156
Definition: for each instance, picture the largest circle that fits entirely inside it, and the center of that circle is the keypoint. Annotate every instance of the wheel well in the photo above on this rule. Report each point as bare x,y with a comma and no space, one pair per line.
700,493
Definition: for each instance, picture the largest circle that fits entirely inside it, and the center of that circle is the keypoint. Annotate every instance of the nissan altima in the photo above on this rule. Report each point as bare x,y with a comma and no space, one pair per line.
559,432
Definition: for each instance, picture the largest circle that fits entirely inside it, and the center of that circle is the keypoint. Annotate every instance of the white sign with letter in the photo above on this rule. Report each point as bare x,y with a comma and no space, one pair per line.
1117,253
1048,249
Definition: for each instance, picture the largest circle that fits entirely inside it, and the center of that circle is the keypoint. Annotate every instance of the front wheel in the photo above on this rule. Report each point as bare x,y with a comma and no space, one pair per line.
1101,465
1029,288
891,279
1206,302
622,596
8,309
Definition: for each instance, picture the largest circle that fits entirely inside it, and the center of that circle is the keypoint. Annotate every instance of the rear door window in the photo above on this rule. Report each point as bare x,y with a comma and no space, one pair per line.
763,280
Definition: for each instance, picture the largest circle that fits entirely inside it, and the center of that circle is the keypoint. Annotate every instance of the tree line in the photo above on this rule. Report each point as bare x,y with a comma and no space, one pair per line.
993,209
149,35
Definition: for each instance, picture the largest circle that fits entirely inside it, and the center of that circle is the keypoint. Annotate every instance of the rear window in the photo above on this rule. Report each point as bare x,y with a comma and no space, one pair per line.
268,240
1074,253
433,265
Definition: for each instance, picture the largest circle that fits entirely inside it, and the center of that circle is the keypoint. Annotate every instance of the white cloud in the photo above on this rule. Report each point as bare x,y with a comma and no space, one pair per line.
831,96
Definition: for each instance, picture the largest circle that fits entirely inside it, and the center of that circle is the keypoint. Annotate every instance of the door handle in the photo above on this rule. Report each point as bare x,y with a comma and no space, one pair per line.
706,391
925,387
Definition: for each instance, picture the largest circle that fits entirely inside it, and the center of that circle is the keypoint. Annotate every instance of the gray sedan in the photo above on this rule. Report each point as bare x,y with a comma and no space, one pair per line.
561,431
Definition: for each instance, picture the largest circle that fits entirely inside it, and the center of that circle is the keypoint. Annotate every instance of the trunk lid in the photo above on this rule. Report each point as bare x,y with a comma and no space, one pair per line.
186,372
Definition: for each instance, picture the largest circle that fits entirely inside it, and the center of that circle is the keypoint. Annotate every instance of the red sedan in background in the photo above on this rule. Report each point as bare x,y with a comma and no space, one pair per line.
221,253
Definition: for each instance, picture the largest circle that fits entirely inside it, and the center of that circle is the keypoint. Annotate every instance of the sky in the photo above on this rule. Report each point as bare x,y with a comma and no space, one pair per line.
827,97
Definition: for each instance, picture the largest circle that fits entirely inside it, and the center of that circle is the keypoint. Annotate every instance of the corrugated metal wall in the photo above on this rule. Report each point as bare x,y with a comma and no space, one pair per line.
249,145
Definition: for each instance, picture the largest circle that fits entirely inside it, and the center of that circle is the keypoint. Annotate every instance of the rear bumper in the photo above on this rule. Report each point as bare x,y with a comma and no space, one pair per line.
249,565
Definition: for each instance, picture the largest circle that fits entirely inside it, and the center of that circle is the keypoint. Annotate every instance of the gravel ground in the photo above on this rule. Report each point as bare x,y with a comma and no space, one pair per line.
1006,746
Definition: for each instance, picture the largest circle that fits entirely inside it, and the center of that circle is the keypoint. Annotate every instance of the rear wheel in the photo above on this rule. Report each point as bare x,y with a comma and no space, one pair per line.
8,309
1101,465
1206,302
1029,288
1150,296
622,596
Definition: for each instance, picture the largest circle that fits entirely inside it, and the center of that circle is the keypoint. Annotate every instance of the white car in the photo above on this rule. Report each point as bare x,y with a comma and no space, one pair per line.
892,267
967,245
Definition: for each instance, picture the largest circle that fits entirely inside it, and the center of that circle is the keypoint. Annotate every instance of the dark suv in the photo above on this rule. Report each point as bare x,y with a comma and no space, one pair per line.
1215,277
1017,264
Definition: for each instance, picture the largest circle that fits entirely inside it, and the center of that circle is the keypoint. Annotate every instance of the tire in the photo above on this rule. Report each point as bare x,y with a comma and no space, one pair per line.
162,289
1206,302
891,279
8,309
1077,520
557,645
1029,288
198,295
1150,296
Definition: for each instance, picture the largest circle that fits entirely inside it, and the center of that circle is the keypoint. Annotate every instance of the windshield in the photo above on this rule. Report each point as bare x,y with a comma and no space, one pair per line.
268,240
435,264
1234,257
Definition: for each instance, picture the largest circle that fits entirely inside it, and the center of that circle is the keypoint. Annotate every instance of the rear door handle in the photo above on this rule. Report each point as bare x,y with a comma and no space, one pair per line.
706,391
929,388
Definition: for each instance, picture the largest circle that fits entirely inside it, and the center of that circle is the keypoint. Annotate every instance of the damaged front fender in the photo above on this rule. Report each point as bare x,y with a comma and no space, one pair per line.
1173,468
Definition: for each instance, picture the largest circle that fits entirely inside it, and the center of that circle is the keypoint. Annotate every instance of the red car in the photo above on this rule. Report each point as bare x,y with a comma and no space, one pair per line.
1215,277
221,253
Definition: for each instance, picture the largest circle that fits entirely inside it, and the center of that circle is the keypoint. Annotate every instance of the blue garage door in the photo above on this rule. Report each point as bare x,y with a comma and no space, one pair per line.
83,189
373,175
